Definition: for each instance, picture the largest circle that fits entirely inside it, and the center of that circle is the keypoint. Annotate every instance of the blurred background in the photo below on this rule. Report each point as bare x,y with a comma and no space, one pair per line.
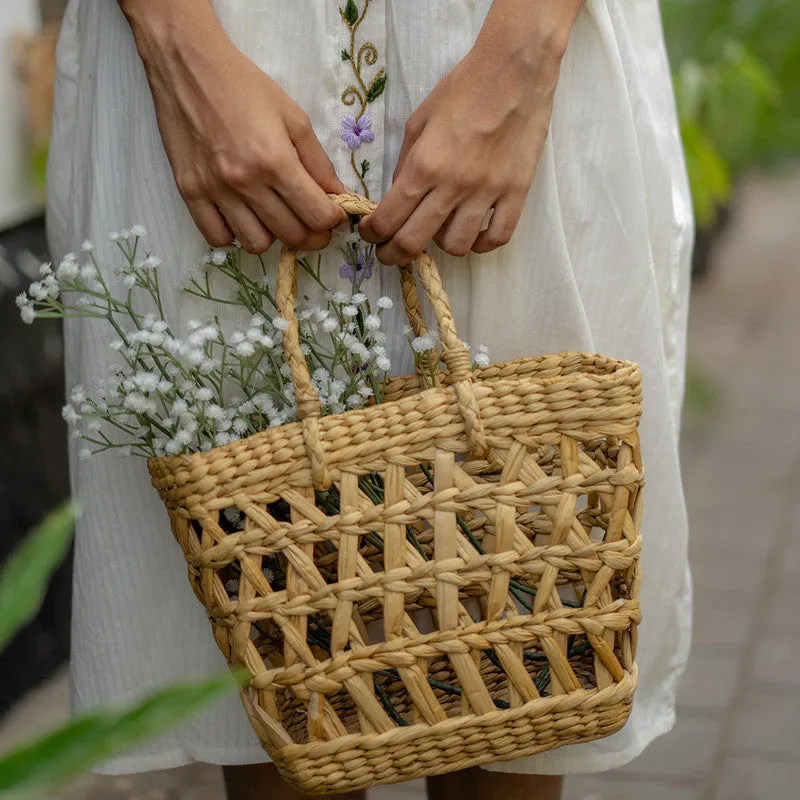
736,67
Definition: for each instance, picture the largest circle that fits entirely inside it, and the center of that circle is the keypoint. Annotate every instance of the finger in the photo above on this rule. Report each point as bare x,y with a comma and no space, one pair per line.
394,210
457,236
412,133
278,217
250,231
414,236
507,211
210,223
314,158
306,199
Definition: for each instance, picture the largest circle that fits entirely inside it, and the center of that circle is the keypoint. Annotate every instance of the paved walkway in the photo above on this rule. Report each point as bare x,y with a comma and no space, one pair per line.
736,736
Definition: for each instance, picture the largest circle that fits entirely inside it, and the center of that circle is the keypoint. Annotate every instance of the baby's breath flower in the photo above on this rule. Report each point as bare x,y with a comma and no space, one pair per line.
204,394
146,381
280,323
151,262
245,349
45,269
358,298
138,231
87,246
88,273
372,322
329,325
69,414
22,300
85,454
383,364
340,297
240,426
217,257
423,343
37,291
349,311
78,395
385,302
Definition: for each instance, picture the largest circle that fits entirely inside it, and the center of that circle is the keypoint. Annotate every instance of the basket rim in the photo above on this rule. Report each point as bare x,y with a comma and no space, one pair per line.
223,464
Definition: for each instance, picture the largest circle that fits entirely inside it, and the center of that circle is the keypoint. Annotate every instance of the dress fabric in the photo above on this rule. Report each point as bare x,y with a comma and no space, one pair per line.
599,262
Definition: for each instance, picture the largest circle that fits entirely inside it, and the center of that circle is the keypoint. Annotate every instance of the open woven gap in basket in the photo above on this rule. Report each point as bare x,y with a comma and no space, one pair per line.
476,528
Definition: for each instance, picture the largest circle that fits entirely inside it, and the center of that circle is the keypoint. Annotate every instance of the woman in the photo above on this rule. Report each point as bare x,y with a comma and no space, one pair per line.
207,121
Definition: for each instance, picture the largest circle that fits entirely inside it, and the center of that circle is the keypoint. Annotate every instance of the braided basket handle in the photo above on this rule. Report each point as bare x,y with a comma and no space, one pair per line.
454,352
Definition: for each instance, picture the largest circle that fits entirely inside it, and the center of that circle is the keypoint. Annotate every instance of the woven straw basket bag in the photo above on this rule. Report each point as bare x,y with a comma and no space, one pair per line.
444,579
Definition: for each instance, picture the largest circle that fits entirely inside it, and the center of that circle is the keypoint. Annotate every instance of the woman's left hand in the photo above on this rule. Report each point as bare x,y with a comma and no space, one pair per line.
474,142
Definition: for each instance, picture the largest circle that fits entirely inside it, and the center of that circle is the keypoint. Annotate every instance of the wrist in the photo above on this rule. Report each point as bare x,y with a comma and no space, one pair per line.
527,32
165,29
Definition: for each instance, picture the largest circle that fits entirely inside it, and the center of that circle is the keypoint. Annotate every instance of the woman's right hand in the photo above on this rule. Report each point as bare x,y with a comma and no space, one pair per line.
244,155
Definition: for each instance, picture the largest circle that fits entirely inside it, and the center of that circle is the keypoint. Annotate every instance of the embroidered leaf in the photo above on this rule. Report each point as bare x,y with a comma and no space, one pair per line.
364,167
345,55
350,12
376,88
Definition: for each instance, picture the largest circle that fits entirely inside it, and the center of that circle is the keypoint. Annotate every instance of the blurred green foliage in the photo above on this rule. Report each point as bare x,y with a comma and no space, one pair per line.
736,65
59,755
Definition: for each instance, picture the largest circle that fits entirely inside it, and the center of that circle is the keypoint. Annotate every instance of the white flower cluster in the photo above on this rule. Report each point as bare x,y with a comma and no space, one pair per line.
171,394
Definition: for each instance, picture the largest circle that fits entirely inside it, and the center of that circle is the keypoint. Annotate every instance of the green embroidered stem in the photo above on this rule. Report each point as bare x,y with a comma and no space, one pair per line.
360,93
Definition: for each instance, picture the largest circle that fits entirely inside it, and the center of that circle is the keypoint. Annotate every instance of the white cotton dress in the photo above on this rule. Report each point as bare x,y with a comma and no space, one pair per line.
599,262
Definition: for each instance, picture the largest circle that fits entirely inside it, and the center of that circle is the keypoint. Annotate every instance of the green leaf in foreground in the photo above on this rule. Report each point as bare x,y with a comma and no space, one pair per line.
91,739
27,571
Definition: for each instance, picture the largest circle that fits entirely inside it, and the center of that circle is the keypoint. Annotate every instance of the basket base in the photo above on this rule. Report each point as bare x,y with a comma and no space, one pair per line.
358,762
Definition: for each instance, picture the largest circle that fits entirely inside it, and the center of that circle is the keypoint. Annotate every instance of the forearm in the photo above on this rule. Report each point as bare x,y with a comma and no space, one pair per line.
522,31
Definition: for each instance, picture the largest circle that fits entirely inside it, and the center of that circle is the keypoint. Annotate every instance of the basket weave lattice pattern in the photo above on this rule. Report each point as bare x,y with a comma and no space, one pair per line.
444,579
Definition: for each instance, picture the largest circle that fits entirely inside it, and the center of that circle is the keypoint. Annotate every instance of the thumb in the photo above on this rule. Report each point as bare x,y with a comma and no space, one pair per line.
314,158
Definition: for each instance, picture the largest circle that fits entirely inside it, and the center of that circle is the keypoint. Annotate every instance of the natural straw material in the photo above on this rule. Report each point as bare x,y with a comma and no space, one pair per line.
444,579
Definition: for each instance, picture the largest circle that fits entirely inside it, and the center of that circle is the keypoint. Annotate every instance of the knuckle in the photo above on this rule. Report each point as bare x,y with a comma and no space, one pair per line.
256,244
408,245
190,187
427,170
295,239
324,219
498,238
412,127
233,173
382,228
453,245
218,238
300,125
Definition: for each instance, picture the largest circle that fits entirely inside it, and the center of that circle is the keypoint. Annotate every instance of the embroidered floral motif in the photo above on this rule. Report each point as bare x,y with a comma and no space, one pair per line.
357,128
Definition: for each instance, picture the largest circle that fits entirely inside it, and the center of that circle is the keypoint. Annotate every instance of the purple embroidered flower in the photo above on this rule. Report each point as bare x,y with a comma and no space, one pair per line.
355,131
362,269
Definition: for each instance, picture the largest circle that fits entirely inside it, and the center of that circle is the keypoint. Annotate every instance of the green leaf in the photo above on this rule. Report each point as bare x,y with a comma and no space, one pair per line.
345,55
25,574
364,167
709,175
376,88
74,747
350,12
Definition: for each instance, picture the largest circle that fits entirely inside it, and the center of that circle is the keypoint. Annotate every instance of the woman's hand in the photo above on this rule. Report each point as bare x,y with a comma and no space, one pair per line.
474,142
244,155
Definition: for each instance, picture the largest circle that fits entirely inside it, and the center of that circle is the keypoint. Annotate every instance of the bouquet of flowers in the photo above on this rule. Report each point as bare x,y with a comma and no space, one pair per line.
169,394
